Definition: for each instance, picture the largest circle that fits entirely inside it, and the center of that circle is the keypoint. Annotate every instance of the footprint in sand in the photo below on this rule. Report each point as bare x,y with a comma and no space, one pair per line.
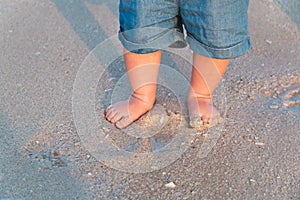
291,98
285,93
288,99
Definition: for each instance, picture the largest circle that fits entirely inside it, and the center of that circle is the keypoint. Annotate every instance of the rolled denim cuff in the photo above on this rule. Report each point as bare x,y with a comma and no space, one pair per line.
230,52
153,39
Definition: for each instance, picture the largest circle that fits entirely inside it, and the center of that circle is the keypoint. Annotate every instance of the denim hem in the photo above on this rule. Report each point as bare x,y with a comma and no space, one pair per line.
169,38
220,53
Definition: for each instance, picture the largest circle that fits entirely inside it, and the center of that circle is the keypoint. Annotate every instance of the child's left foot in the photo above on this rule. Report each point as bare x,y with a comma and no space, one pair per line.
202,112
206,75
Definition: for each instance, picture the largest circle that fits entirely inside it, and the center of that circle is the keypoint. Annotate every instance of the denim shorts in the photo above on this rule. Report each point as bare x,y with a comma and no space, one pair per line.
214,28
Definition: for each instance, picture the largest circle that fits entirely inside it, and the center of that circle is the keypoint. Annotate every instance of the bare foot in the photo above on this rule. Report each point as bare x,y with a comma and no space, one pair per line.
202,113
123,113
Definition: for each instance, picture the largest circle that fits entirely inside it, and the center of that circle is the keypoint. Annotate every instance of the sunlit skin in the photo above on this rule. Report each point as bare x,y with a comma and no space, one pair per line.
206,75
142,71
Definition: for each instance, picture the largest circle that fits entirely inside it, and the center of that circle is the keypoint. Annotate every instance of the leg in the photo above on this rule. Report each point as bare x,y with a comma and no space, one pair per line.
206,74
215,29
142,72
141,32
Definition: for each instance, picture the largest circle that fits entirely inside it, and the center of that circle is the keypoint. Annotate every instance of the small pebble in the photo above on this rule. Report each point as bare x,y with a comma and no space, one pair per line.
285,86
274,107
205,134
56,154
169,112
251,98
162,120
108,90
77,144
90,174
259,144
267,125
170,185
106,129
267,93
164,104
177,112
248,138
269,41
252,180
286,104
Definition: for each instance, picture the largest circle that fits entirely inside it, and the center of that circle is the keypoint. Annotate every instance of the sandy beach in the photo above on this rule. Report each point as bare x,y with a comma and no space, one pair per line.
59,72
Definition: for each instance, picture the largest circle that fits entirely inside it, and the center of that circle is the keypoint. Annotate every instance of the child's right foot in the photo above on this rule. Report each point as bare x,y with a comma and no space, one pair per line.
142,72
123,113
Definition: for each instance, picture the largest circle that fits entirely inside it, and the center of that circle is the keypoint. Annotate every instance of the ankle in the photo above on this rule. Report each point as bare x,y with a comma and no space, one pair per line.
202,95
146,101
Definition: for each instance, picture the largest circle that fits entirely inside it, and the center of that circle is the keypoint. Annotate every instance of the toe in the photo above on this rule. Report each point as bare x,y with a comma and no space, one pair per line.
120,124
206,120
110,114
123,123
108,109
116,118
195,121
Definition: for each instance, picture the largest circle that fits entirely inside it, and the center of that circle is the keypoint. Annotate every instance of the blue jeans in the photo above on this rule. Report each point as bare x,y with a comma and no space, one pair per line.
214,28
